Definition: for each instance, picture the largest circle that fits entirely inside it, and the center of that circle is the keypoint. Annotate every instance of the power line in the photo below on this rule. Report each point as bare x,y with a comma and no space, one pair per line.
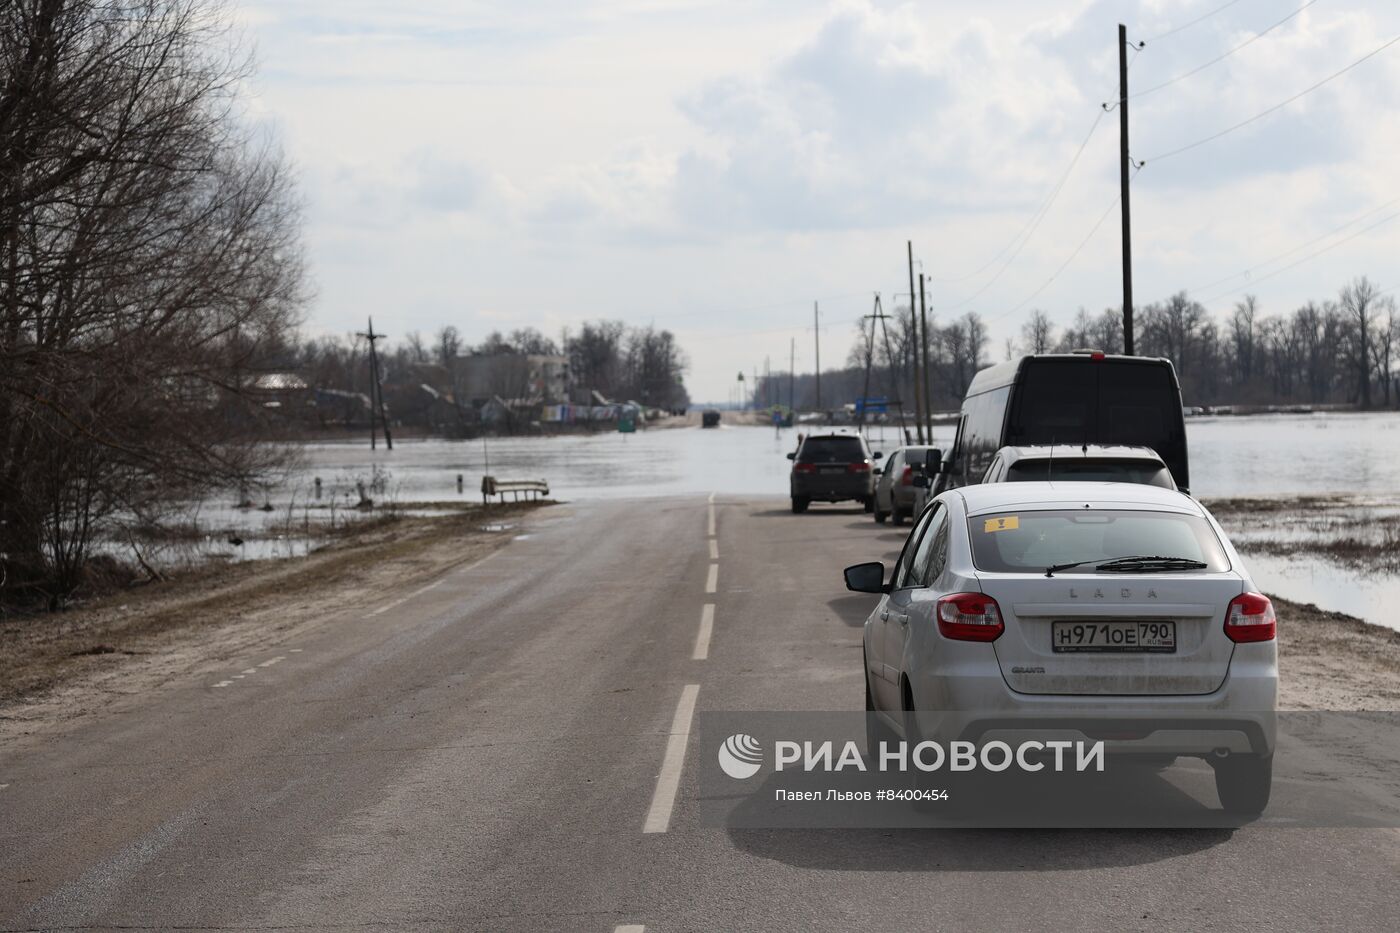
1185,26
1220,58
1297,249
1308,258
1064,265
1273,109
1034,220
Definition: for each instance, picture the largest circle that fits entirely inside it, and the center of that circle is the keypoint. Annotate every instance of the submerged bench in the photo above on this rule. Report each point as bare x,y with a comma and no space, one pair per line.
531,488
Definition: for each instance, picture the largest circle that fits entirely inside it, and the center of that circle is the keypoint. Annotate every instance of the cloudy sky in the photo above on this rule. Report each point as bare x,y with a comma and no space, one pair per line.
715,167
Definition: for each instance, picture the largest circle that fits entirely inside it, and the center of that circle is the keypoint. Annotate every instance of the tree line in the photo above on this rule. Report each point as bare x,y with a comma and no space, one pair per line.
1340,350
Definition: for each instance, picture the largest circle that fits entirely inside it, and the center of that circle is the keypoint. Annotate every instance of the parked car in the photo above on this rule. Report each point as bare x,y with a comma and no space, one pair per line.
832,466
1086,463
709,419
1087,397
1100,602
895,492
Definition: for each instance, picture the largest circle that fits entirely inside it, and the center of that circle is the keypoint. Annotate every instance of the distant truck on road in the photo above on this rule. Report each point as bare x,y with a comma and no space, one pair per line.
709,419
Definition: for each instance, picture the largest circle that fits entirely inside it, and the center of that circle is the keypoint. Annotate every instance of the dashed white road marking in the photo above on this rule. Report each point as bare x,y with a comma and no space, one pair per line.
702,640
712,497
712,579
710,526
251,670
294,651
668,781
271,661
3,786
223,683
714,549
629,928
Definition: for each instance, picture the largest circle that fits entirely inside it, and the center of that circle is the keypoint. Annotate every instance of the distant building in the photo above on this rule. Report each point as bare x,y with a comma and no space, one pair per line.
514,377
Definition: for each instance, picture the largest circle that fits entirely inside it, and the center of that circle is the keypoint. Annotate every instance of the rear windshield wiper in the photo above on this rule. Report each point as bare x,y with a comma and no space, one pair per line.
1151,564
1127,564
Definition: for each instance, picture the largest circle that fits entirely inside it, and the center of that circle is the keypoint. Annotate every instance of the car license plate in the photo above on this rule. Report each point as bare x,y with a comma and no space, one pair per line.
1152,637
833,469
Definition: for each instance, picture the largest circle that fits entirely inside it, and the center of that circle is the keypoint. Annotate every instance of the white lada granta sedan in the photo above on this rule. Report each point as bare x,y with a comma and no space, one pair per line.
1107,611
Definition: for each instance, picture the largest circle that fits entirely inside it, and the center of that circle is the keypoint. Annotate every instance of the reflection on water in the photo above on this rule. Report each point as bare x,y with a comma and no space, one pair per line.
1368,596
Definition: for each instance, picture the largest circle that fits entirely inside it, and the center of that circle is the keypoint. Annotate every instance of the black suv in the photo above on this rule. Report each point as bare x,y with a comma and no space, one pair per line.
832,467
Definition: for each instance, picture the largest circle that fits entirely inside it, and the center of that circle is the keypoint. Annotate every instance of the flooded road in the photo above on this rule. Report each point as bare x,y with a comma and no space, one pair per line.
1268,457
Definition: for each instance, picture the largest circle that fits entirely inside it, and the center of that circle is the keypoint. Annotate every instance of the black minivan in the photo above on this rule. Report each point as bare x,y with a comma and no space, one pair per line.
1086,397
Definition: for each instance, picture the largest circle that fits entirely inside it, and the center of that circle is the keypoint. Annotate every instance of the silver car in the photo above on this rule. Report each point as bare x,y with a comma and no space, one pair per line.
895,492
1110,463
1094,601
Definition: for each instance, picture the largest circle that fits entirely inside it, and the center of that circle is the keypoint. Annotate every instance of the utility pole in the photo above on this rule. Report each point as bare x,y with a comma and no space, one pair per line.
376,391
880,316
928,374
869,359
792,378
817,334
1124,162
914,323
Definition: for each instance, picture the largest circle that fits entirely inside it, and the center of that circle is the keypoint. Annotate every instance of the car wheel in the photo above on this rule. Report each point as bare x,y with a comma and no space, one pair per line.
869,503
800,503
896,514
1244,783
880,516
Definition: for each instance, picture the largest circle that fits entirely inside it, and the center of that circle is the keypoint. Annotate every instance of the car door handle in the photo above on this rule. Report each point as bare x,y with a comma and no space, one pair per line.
903,618
884,615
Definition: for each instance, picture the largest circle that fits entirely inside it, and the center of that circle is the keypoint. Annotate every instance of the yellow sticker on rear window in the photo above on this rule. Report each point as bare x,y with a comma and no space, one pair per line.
1004,523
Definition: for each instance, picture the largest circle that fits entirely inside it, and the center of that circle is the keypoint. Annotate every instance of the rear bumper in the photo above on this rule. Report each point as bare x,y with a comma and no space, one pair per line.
831,487
972,701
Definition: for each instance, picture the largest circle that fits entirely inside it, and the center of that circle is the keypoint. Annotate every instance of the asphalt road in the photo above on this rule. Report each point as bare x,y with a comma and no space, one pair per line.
498,752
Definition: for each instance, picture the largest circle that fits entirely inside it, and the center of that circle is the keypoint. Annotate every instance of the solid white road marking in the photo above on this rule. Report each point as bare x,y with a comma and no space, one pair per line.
712,580
712,497
714,549
668,781
702,640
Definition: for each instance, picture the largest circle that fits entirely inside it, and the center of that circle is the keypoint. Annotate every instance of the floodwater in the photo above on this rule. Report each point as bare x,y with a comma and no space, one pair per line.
1270,456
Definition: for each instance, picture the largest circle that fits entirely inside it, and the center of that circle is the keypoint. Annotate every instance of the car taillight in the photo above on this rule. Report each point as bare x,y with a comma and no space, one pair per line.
1251,618
907,478
860,466
970,617
804,468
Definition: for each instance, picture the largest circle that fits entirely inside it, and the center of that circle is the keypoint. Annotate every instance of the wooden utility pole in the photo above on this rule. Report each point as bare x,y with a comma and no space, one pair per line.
792,379
928,374
817,334
1124,176
914,324
376,391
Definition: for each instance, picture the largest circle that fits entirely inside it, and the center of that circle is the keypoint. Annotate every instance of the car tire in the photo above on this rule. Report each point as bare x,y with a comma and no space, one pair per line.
1244,783
869,503
880,516
896,514
799,504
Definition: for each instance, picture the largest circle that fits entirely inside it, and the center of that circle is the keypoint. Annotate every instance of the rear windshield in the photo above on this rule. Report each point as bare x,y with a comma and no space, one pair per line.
1012,542
1091,471
832,450
1111,402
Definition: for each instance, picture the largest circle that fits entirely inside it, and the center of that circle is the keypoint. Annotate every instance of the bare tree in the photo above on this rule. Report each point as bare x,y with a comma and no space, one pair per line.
150,255
1360,304
1038,333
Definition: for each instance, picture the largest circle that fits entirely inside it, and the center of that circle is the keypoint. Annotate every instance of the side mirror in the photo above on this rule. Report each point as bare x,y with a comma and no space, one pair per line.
933,461
876,472
866,578
792,456
920,480
876,455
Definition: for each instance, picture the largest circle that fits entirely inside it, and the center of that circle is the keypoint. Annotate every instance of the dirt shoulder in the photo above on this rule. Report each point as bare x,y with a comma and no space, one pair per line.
57,668
1328,660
